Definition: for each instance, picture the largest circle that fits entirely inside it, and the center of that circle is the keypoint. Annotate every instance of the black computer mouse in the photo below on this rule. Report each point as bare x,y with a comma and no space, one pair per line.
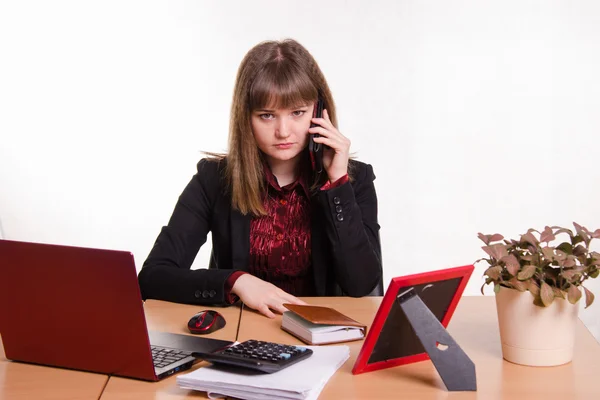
206,322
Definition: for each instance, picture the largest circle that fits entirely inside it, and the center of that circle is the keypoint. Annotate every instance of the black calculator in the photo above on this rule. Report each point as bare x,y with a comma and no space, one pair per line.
261,356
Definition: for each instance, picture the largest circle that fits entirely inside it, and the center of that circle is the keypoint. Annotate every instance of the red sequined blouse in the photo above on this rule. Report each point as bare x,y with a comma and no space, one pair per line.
280,242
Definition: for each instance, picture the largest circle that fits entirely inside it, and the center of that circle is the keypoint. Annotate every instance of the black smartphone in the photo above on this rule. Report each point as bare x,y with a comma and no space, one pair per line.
315,149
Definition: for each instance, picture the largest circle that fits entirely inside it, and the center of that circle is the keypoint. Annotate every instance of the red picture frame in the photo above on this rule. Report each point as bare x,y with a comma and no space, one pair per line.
451,280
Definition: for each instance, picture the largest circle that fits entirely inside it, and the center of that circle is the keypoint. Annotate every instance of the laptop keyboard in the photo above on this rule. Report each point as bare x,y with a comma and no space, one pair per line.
163,356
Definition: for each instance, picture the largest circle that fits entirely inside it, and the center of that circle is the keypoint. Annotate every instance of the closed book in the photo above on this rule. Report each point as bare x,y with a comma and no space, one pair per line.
320,325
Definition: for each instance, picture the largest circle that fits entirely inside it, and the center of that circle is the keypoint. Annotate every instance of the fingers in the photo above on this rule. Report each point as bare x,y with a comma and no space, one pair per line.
338,145
279,308
277,302
320,130
327,135
322,122
293,299
326,130
300,302
266,298
264,309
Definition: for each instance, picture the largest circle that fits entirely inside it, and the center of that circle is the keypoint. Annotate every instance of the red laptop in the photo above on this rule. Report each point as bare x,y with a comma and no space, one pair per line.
81,308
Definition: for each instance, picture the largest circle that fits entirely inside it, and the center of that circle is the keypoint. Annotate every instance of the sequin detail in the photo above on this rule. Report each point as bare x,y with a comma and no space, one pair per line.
280,242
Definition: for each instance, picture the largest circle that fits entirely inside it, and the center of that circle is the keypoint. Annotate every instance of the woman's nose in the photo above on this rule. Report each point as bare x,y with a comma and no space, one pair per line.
282,129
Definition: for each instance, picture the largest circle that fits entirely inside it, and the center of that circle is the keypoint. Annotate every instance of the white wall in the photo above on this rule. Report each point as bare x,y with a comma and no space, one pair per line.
476,115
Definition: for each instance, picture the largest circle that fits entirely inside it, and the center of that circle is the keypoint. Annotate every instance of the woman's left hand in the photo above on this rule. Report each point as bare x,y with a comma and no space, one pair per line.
336,147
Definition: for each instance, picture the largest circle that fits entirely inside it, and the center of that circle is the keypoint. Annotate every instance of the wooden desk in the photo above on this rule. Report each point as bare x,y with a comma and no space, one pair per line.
20,381
474,327
169,317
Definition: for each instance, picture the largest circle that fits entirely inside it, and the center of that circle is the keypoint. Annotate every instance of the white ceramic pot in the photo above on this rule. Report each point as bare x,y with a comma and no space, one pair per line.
532,335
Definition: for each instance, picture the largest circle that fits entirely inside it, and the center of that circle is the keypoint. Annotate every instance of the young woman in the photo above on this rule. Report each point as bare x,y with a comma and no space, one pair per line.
279,230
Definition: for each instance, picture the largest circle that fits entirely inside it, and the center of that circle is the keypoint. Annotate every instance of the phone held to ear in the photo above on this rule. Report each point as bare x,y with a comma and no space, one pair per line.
315,149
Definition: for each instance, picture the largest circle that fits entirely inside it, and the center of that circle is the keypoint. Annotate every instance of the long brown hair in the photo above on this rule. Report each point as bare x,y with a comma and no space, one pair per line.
280,74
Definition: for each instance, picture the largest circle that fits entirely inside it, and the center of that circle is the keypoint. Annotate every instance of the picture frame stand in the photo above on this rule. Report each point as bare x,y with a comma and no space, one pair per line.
456,369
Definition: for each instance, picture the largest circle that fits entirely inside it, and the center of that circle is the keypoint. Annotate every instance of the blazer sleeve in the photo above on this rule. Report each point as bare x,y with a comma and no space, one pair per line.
166,273
353,232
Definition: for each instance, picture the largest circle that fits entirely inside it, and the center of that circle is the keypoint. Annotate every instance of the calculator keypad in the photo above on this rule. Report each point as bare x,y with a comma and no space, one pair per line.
266,351
259,355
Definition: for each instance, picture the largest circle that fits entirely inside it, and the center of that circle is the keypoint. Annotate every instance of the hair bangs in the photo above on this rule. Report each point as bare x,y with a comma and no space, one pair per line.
280,85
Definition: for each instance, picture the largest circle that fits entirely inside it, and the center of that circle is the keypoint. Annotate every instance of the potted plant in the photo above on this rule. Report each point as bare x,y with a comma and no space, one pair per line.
538,281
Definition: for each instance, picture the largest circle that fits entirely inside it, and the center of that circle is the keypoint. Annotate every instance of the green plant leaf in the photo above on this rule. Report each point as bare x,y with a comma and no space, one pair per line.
573,294
565,247
595,258
579,250
526,273
550,274
494,272
518,285
537,300
496,288
546,294
548,253
558,293
570,274
589,297
533,288
583,232
559,230
594,274
512,264
560,255
570,262
576,239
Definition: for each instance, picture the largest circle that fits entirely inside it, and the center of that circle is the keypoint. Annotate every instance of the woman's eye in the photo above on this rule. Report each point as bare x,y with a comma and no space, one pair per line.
266,116
298,113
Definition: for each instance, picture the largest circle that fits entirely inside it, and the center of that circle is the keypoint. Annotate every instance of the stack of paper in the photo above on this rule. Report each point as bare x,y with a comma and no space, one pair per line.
303,380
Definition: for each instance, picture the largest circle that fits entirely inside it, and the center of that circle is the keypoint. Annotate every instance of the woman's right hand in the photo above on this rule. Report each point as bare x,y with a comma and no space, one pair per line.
262,296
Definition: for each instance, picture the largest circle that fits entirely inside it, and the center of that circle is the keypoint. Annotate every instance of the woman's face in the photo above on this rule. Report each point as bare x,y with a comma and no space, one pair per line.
280,133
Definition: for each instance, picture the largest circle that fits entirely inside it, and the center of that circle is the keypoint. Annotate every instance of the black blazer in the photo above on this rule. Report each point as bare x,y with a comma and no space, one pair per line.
346,253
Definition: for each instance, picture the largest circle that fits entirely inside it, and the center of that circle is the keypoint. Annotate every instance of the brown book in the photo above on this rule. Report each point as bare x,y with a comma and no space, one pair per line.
320,325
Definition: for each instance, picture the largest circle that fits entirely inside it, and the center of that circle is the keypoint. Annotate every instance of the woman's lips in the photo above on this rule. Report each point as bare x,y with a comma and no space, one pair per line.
283,146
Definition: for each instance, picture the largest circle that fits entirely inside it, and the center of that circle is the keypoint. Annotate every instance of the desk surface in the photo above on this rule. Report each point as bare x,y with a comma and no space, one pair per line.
169,317
474,327
19,381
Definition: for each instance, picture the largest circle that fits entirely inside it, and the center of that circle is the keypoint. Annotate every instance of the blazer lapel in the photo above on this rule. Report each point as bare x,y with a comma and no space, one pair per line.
240,240
319,266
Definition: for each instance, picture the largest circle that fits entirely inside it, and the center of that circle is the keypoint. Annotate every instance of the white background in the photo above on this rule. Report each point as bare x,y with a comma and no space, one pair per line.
477,116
